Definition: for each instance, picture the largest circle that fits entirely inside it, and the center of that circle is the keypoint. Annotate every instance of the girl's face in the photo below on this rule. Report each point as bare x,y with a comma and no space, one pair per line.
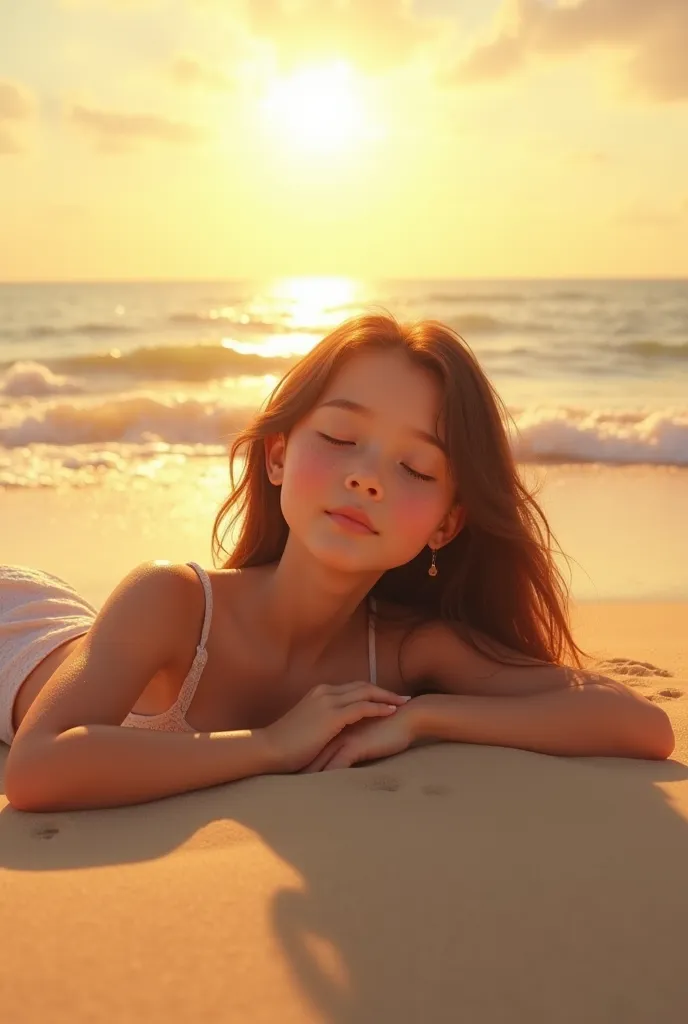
370,444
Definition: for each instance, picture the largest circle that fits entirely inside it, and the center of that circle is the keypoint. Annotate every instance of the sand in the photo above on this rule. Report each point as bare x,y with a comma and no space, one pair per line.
622,527
453,882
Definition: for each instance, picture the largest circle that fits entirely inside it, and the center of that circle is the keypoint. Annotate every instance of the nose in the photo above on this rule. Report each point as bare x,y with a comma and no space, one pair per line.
364,482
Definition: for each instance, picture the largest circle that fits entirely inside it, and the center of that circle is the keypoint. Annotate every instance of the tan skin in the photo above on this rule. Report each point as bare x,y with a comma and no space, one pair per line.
256,697
279,630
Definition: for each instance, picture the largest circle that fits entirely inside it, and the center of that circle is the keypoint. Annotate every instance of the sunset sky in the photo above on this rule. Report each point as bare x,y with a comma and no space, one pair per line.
372,138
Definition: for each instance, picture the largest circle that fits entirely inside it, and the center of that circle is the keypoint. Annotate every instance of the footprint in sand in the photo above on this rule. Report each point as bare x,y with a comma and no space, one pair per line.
46,832
660,695
388,784
435,789
629,667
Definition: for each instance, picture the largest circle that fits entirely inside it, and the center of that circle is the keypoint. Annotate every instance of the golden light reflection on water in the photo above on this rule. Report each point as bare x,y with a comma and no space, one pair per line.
306,307
274,345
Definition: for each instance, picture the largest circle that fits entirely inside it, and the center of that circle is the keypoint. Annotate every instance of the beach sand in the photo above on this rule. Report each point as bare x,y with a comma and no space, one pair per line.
453,882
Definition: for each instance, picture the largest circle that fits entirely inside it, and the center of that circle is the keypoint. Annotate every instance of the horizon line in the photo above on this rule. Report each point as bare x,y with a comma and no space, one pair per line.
279,277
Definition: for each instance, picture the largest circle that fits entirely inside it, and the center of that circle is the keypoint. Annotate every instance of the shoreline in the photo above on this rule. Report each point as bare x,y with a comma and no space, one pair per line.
621,528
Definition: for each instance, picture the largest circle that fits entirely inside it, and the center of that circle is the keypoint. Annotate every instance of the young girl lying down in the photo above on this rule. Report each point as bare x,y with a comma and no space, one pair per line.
392,583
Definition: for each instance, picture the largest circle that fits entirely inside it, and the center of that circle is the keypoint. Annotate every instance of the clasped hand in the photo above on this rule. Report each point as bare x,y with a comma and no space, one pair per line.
367,740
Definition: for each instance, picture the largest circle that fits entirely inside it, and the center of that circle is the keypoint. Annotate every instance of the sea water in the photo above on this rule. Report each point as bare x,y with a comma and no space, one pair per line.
97,376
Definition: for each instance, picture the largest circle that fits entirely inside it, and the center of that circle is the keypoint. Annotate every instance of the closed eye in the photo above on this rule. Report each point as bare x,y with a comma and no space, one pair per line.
334,440
412,472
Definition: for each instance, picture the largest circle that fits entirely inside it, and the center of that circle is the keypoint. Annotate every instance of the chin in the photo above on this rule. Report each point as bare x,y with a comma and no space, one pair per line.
339,559
340,563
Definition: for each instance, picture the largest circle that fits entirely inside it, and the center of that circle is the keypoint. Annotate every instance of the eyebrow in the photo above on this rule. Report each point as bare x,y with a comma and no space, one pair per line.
346,403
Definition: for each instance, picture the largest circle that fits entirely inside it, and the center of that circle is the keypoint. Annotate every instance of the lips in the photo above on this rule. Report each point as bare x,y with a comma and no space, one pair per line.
354,515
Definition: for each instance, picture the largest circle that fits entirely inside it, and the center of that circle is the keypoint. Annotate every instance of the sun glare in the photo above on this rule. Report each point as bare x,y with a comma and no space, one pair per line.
318,109
307,307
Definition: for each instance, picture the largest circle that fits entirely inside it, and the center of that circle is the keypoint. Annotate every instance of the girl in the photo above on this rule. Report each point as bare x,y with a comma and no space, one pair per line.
384,536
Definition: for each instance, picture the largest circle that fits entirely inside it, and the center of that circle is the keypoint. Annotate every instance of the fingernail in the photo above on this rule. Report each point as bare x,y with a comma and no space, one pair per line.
406,698
392,707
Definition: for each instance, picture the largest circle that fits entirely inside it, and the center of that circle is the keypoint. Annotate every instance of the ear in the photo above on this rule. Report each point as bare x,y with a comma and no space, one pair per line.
275,447
450,527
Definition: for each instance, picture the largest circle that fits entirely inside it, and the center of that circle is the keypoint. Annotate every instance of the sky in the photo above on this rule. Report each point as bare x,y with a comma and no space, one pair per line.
214,139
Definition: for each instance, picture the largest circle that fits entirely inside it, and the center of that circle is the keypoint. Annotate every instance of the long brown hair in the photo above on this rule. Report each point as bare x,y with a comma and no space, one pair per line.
497,579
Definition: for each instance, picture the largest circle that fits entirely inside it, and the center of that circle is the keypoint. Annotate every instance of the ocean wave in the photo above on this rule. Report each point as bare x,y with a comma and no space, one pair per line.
655,349
175,362
477,323
459,297
41,466
135,418
570,296
539,433
38,331
246,322
618,437
33,379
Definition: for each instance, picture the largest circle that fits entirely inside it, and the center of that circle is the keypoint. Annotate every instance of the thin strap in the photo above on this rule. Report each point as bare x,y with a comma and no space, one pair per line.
205,580
191,682
371,641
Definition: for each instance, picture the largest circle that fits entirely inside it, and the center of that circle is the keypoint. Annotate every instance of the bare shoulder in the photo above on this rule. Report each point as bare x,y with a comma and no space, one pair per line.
140,630
158,595
438,656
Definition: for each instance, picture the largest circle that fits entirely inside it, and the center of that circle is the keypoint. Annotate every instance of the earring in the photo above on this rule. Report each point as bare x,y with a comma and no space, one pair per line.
432,571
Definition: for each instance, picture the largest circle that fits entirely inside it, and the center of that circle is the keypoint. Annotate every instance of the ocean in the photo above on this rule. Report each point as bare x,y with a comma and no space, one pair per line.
98,377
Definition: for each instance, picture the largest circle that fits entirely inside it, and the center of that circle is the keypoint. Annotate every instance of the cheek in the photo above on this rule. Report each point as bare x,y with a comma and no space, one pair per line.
416,514
310,471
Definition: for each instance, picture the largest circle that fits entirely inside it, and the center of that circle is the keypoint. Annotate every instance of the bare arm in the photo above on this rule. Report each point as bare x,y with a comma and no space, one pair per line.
554,709
108,766
71,751
595,719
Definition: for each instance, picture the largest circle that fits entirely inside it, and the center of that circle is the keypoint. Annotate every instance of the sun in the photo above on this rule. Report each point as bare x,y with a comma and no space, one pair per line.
319,108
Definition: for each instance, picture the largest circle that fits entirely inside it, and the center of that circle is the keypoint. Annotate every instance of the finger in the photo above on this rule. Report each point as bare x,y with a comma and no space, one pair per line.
323,758
350,713
342,759
369,691
325,754
365,687
325,762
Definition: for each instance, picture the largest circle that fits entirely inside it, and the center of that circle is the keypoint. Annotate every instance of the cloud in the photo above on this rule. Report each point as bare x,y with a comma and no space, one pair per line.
16,104
373,34
188,70
653,33
113,132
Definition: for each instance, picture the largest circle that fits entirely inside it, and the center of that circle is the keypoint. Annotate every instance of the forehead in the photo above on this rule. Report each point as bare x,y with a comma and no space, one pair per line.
391,385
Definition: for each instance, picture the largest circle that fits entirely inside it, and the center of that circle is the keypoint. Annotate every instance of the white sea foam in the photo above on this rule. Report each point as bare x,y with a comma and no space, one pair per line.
58,440
30,378
135,417
657,437
118,379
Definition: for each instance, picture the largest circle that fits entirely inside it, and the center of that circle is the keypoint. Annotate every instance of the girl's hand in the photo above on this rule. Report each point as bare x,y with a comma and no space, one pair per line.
297,737
365,741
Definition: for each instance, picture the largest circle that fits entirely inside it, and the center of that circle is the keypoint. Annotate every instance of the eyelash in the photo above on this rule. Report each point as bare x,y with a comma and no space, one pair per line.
412,472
